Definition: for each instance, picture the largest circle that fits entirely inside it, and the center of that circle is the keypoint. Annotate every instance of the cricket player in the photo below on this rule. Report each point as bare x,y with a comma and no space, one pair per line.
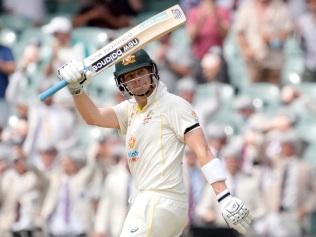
157,126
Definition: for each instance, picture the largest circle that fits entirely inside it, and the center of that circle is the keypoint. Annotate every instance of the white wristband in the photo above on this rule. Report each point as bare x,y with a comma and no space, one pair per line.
214,171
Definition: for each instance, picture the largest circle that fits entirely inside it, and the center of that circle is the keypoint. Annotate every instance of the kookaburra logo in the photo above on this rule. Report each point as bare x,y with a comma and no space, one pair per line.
128,60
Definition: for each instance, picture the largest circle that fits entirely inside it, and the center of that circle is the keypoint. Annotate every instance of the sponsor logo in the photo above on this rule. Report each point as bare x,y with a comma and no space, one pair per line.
132,154
112,56
153,20
177,13
128,60
194,114
134,230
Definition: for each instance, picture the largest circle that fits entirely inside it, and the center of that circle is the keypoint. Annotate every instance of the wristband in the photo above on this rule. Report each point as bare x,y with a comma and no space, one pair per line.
214,171
222,195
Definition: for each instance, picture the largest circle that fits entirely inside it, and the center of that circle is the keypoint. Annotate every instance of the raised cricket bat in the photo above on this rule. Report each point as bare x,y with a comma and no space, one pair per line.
131,41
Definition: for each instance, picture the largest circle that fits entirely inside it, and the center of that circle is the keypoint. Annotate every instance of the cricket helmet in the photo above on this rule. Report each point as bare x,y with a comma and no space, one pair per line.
131,63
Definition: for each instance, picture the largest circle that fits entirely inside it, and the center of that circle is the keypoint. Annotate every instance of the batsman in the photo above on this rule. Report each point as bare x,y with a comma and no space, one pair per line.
157,126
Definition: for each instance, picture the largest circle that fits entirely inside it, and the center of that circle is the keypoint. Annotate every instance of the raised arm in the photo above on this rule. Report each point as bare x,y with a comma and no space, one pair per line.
234,211
103,117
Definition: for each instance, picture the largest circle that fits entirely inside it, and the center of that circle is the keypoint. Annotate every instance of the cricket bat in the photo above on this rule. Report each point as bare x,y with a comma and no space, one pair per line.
128,43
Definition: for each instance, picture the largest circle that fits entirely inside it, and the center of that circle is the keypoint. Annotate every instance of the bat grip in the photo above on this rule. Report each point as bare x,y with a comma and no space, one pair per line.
52,90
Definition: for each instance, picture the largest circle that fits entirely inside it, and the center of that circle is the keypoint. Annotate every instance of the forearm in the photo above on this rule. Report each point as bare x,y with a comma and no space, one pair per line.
219,186
87,109
234,211
7,68
211,167
102,117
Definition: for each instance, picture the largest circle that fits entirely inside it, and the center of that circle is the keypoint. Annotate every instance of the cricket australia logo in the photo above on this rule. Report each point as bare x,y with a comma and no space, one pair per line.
128,60
131,143
133,154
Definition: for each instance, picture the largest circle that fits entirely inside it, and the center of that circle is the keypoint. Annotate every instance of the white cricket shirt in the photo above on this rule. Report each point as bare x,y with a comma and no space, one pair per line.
155,140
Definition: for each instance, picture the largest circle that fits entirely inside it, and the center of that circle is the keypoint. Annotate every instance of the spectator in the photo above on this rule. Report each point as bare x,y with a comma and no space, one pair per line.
67,209
233,5
290,193
117,191
173,59
7,67
107,14
214,67
4,157
244,106
210,102
33,10
187,5
262,27
48,161
186,88
25,79
243,185
293,101
49,125
296,8
16,132
307,32
207,26
216,137
195,185
20,206
64,47
100,150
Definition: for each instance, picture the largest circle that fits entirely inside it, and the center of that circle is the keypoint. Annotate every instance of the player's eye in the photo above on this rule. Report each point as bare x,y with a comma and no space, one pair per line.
142,72
127,78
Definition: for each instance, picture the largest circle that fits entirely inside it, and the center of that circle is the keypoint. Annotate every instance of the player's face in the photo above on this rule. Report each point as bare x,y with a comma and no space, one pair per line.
139,81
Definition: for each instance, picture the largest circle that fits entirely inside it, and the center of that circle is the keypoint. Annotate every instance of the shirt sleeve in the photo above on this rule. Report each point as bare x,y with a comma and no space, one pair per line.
182,118
121,110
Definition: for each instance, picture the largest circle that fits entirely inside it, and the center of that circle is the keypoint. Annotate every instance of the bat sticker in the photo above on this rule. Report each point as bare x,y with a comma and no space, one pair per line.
112,56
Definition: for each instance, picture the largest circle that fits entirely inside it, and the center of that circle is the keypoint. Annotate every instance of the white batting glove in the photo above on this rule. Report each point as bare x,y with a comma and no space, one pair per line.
72,72
235,213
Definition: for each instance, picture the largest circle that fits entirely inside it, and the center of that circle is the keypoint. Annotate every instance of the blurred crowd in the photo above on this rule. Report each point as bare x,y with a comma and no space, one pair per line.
247,66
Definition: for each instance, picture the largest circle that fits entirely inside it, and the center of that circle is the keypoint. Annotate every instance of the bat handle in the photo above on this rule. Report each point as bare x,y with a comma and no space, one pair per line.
52,90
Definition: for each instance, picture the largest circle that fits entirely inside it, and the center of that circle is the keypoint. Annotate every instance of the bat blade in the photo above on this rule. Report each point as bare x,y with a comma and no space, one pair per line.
131,41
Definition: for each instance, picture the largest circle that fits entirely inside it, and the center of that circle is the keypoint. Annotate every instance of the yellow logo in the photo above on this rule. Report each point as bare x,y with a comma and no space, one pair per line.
128,60
131,142
194,115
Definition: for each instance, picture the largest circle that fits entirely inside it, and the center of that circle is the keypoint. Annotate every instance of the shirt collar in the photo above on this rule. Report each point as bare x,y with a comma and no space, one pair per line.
158,92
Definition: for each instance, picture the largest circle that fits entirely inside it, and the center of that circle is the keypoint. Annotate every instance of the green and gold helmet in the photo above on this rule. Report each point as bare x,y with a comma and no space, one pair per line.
133,62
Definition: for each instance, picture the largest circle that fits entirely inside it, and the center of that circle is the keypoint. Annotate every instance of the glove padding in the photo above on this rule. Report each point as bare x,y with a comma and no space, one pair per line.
73,73
236,214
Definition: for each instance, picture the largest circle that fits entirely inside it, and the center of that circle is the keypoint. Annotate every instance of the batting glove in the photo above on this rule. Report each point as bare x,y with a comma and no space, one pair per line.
235,213
73,73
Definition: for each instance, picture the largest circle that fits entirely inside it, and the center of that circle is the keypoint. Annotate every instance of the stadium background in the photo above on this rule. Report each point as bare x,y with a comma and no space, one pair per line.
245,122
